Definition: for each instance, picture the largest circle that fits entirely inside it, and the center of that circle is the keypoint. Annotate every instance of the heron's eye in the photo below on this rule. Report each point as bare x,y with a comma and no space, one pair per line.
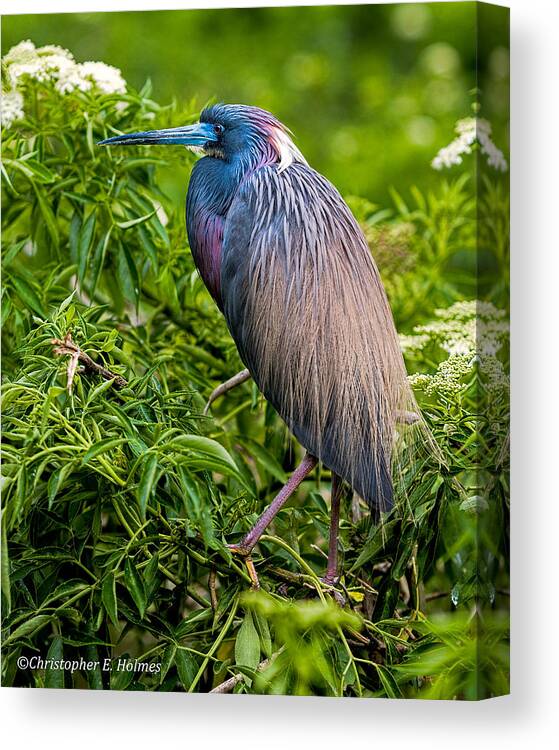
219,129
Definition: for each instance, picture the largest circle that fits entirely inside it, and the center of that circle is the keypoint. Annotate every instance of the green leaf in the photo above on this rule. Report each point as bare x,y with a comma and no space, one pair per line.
399,201
10,253
74,236
64,304
404,552
147,479
32,169
128,274
135,222
135,585
94,394
187,667
5,568
381,536
48,215
388,682
28,628
205,453
94,676
21,494
247,644
84,244
28,295
121,679
152,577
149,248
263,629
167,660
99,259
108,596
63,590
40,172
56,481
265,459
54,678
103,446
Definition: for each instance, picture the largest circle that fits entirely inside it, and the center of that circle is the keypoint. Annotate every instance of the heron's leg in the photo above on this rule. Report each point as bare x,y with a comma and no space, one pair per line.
331,576
237,379
245,547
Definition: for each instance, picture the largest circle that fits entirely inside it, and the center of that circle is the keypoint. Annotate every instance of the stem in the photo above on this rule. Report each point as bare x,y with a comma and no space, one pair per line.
215,645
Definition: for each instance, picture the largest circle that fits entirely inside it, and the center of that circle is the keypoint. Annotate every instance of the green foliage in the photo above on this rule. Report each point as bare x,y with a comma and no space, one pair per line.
118,501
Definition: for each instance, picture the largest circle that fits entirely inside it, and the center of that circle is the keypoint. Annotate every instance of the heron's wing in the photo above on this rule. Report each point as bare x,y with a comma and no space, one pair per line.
305,305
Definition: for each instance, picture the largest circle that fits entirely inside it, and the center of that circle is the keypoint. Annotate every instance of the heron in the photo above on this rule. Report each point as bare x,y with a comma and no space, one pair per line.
289,267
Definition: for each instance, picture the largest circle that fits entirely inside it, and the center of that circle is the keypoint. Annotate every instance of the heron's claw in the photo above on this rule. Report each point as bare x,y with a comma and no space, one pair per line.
238,549
241,551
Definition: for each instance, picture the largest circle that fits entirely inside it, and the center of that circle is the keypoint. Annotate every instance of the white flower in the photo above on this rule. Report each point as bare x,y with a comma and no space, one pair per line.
412,343
470,130
107,78
72,79
53,64
11,107
54,49
20,50
494,155
472,333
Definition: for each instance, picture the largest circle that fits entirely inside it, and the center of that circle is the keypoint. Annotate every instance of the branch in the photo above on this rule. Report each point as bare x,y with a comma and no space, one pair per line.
237,379
228,685
67,347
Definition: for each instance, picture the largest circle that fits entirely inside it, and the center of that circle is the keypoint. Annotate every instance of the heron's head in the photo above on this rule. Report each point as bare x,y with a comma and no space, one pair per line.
231,132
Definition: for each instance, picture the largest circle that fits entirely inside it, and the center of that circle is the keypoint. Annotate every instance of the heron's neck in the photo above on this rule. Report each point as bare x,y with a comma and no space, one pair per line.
213,186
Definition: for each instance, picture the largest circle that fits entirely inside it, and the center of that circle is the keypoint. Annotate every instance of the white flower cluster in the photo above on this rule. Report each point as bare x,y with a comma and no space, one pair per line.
11,107
52,64
472,333
471,130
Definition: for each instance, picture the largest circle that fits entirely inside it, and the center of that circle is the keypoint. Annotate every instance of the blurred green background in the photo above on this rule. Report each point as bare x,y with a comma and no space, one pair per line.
371,92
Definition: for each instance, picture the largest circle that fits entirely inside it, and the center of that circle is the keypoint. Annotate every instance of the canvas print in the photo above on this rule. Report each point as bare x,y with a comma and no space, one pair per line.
255,351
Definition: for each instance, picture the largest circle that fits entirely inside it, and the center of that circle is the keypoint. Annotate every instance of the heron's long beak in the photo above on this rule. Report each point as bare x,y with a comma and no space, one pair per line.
190,135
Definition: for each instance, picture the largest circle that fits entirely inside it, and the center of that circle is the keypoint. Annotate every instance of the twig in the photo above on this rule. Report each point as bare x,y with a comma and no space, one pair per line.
289,576
67,347
237,379
228,685
211,586
320,551
214,646
436,595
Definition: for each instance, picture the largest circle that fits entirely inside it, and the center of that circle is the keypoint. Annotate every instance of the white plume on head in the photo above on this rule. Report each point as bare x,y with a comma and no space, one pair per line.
286,149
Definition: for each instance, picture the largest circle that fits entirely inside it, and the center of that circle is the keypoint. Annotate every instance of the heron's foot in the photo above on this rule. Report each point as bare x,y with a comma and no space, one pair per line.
330,582
245,553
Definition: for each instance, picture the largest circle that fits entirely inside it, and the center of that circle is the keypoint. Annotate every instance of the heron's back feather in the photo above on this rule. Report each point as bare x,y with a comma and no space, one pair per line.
306,307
